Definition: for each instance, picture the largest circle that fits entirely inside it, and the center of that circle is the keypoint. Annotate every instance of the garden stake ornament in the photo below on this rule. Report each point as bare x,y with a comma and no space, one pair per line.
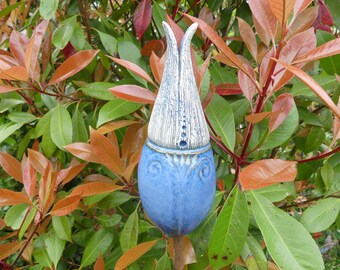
176,172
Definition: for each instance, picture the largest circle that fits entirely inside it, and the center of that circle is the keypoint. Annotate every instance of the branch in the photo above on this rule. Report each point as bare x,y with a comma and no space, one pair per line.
179,260
320,156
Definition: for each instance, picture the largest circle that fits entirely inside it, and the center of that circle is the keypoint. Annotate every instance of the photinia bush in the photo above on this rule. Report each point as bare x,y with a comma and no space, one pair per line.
78,80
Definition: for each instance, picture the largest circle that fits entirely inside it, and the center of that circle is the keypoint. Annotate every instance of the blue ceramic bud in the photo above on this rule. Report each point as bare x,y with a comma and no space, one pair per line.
176,172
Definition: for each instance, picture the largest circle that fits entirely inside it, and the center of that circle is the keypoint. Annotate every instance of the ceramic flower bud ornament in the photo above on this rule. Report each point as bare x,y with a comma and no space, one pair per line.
176,173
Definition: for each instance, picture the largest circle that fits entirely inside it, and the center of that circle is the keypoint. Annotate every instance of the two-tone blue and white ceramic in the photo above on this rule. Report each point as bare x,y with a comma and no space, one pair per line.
176,172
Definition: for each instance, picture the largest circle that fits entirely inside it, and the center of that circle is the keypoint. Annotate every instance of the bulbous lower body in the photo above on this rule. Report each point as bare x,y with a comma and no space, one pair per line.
177,188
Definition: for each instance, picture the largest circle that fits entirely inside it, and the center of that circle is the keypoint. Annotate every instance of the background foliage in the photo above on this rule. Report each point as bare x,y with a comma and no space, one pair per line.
78,80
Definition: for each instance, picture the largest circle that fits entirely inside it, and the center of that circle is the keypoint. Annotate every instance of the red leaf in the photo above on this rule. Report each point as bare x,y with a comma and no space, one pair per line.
133,140
134,93
106,152
218,41
66,175
327,49
267,172
133,68
155,46
324,13
300,5
281,108
142,17
39,161
7,88
83,151
257,117
14,73
11,166
282,9
157,66
264,16
33,48
208,98
202,70
246,84
9,249
248,36
112,126
29,178
73,65
228,89
313,85
95,188
178,32
9,197
99,265
69,50
17,43
133,254
66,205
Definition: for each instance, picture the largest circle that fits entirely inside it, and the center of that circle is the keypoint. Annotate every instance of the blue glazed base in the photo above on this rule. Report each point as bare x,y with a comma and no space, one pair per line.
177,187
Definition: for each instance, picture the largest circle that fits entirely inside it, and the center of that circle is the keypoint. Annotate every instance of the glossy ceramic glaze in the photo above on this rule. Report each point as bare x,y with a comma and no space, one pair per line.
176,172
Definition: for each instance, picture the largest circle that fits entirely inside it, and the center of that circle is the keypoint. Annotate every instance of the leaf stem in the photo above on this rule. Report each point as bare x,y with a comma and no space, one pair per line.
179,262
320,156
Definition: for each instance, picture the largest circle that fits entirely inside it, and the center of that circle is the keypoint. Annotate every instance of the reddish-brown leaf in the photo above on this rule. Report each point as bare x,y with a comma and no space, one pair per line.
257,117
265,66
313,85
302,22
46,51
106,152
2,224
112,126
281,9
129,170
95,188
66,175
300,6
281,108
9,197
264,17
97,178
66,206
188,250
133,68
11,166
157,66
14,73
39,161
248,37
336,126
29,178
83,151
142,17
228,89
327,49
133,254
209,97
262,33
218,41
73,65
99,265
134,138
7,88
178,32
156,46
33,48
17,43
134,93
267,172
246,84
202,70
10,248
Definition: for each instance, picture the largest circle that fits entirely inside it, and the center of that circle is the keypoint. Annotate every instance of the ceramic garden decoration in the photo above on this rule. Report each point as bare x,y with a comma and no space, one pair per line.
176,173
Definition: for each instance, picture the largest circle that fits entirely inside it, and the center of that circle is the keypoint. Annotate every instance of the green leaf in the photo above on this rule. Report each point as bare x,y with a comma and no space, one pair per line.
8,129
40,252
61,126
47,144
331,64
62,228
54,247
7,10
314,139
15,216
43,124
230,231
129,235
158,14
327,82
277,192
109,42
221,117
327,174
321,215
114,109
21,117
108,221
78,39
63,34
163,263
27,222
257,252
240,108
288,242
48,8
221,75
114,199
98,244
98,90
79,129
284,131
